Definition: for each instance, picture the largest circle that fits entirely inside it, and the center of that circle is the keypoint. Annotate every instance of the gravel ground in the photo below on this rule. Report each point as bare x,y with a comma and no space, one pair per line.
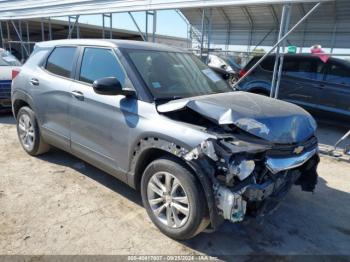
58,205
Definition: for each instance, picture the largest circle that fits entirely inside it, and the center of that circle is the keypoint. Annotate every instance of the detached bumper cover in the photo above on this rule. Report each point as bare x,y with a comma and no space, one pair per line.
259,199
276,165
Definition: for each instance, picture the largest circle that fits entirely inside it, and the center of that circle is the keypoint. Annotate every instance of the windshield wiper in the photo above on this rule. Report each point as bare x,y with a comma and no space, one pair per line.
167,98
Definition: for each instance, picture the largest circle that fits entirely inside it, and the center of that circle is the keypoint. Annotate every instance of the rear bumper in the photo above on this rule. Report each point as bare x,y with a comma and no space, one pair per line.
5,94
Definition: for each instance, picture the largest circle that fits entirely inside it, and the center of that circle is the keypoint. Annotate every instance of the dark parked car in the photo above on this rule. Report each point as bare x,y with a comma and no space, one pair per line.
160,120
9,66
321,88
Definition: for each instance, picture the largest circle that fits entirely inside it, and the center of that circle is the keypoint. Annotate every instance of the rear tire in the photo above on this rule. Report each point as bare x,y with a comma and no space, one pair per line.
173,199
29,133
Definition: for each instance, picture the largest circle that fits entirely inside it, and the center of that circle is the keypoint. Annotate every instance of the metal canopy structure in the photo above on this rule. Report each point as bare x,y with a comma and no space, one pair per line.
24,9
213,22
256,25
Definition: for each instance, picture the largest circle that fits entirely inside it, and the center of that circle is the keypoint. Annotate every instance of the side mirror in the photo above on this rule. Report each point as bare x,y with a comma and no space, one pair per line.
111,86
223,67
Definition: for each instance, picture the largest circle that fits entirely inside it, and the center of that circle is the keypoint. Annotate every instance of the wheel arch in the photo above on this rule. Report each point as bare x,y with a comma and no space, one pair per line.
258,87
149,149
20,99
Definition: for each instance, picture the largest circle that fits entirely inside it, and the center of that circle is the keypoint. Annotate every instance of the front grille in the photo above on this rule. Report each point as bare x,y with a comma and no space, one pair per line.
289,150
5,89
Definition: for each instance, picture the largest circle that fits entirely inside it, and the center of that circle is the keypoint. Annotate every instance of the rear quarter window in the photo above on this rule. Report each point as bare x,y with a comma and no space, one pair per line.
300,67
266,65
60,61
338,74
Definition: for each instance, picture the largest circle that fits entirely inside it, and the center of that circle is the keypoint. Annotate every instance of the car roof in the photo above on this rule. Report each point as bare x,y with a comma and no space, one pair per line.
111,43
305,56
311,56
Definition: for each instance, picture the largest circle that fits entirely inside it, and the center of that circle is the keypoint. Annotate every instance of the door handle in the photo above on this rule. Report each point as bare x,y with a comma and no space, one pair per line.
34,82
78,95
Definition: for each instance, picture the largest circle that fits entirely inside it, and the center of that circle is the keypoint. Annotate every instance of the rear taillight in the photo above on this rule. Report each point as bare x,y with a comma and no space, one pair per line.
241,73
15,72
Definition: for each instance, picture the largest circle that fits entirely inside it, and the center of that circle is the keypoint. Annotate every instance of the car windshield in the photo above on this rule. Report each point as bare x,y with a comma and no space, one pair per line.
171,75
7,59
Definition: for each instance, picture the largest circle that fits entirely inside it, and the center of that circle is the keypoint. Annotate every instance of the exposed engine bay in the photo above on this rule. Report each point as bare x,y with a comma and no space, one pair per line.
254,160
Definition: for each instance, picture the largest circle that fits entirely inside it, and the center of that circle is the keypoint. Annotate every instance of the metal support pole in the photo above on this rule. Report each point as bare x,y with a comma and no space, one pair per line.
20,37
103,26
43,29
71,27
251,23
209,32
28,37
8,36
285,30
78,28
190,40
228,29
335,28
50,29
277,44
277,58
302,11
154,26
136,25
146,25
1,36
20,33
189,28
110,26
202,31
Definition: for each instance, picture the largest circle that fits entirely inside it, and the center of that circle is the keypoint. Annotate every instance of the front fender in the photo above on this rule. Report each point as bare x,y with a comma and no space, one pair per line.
201,167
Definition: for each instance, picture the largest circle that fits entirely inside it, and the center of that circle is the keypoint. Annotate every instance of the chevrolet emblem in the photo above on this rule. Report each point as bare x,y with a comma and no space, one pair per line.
298,150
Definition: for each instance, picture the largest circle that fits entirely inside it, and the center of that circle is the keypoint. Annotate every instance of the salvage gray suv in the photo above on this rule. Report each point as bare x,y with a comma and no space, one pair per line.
161,121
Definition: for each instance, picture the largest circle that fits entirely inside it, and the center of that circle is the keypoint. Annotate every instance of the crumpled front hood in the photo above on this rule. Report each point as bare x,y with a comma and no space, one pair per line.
270,119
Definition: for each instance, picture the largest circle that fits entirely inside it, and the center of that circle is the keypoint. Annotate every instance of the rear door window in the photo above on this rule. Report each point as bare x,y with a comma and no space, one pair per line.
251,63
296,67
268,64
61,61
338,74
99,63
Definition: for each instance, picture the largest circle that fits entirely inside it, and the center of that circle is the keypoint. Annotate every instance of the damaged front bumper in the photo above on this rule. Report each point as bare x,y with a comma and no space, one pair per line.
259,190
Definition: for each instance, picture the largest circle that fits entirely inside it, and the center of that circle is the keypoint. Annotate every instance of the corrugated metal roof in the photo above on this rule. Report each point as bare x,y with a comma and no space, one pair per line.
328,25
23,9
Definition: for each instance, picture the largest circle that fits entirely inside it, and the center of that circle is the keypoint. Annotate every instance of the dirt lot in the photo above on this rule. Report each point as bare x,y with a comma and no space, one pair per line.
57,204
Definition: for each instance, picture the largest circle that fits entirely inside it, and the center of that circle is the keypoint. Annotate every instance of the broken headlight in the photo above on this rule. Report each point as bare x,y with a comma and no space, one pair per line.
242,169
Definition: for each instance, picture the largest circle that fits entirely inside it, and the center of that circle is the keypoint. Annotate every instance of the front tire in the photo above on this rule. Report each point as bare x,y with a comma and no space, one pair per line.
29,133
173,199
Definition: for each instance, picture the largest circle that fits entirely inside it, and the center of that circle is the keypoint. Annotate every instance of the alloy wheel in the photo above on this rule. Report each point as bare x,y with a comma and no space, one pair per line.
26,131
168,199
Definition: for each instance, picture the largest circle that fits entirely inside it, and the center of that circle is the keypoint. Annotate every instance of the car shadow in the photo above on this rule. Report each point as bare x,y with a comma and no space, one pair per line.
60,157
305,223
7,118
